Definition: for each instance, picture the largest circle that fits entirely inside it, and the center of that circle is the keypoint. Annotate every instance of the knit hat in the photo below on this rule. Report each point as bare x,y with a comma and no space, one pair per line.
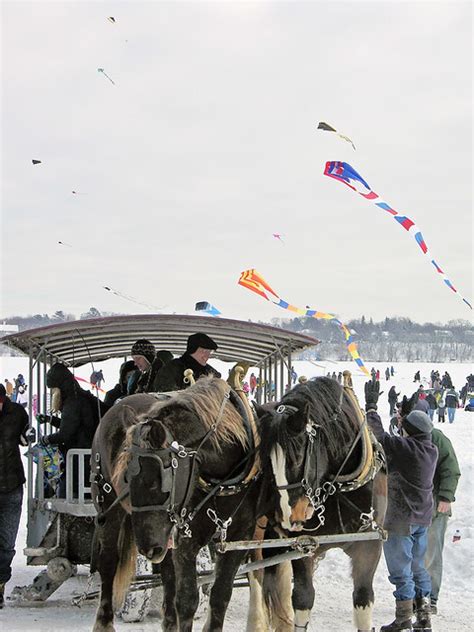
144,348
417,422
200,340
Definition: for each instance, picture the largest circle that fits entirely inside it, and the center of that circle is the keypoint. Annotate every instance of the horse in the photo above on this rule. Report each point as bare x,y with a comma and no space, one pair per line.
329,479
173,469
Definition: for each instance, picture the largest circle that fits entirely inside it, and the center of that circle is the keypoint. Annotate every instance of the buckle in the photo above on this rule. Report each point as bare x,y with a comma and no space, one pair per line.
107,488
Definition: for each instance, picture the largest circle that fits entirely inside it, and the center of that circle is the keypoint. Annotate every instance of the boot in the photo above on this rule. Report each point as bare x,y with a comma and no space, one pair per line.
423,615
403,614
2,593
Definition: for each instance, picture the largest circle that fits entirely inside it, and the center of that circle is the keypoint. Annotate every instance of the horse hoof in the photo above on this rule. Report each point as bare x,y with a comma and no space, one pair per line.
100,627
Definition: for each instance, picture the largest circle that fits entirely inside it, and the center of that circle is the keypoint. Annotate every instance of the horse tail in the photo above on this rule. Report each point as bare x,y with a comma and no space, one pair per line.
126,564
277,591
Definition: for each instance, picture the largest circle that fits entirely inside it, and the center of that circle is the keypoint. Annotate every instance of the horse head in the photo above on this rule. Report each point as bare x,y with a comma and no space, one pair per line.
290,443
158,474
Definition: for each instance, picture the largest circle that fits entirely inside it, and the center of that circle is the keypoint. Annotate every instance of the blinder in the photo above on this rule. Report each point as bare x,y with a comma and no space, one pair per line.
176,478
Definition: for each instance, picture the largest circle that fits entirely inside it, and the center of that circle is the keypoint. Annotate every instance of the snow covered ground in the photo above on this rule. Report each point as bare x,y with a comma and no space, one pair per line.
332,611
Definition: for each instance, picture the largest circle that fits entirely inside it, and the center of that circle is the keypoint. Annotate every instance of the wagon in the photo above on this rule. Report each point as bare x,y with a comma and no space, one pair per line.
60,531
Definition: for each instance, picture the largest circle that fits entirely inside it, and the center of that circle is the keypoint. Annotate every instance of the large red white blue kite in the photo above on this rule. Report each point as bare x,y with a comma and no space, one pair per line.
348,175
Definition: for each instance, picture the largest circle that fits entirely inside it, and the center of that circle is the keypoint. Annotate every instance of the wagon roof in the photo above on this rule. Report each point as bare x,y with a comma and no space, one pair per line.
96,339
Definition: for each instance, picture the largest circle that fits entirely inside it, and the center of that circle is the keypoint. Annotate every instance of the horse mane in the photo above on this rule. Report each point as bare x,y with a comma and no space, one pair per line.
329,407
204,400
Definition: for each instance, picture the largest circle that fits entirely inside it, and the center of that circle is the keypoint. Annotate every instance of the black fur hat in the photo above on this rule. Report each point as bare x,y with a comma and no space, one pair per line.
200,340
144,348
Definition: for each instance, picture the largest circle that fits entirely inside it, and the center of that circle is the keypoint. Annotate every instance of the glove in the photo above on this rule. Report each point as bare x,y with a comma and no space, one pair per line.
30,435
407,405
372,393
42,419
43,442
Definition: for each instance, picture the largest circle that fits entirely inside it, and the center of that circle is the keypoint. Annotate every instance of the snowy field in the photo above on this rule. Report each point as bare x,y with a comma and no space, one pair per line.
333,610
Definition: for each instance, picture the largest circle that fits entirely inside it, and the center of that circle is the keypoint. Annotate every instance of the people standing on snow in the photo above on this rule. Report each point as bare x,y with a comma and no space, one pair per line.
441,409
334,375
96,379
417,377
445,482
470,382
339,377
22,396
14,432
421,403
252,384
392,399
377,375
8,388
432,403
373,373
446,381
452,402
411,463
387,374
294,375
392,371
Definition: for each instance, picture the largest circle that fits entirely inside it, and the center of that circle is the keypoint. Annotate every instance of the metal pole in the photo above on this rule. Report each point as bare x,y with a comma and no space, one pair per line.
289,367
301,541
282,379
30,411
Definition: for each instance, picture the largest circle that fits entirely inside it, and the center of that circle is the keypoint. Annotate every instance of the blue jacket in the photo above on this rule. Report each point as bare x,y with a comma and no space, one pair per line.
411,463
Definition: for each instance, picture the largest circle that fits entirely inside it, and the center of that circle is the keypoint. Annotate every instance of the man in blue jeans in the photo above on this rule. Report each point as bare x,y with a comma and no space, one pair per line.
411,463
13,432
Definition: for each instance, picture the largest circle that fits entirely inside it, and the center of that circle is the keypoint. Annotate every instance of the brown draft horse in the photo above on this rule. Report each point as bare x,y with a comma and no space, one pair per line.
150,459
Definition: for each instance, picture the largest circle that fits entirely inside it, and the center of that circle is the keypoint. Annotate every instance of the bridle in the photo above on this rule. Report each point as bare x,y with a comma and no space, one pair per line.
176,478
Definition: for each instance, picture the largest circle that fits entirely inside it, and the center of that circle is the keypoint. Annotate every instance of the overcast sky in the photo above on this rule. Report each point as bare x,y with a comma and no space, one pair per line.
207,145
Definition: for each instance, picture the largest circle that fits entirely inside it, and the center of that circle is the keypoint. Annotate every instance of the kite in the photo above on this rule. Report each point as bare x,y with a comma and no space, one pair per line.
327,128
111,19
207,308
279,237
93,386
105,75
36,162
253,281
348,175
131,298
61,243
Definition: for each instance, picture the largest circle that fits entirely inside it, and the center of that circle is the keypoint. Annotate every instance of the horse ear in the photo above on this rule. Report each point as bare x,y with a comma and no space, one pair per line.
157,434
297,421
259,410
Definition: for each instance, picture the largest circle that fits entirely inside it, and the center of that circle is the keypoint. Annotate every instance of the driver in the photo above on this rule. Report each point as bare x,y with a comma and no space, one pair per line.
198,350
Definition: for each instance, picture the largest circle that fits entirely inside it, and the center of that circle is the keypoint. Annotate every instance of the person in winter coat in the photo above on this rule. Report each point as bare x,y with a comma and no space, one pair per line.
452,402
22,396
392,399
198,350
422,404
9,388
14,432
253,383
143,353
411,464
127,372
432,403
417,377
80,416
441,409
445,482
387,374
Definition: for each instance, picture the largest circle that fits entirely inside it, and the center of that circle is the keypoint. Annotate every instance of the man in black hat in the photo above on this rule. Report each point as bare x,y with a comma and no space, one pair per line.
411,463
198,350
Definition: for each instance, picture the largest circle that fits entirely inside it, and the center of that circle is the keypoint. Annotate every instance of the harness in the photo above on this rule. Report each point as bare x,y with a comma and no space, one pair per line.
178,477
372,460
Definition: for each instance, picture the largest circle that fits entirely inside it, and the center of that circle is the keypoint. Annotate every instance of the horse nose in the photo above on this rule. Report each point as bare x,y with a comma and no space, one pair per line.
296,525
153,552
